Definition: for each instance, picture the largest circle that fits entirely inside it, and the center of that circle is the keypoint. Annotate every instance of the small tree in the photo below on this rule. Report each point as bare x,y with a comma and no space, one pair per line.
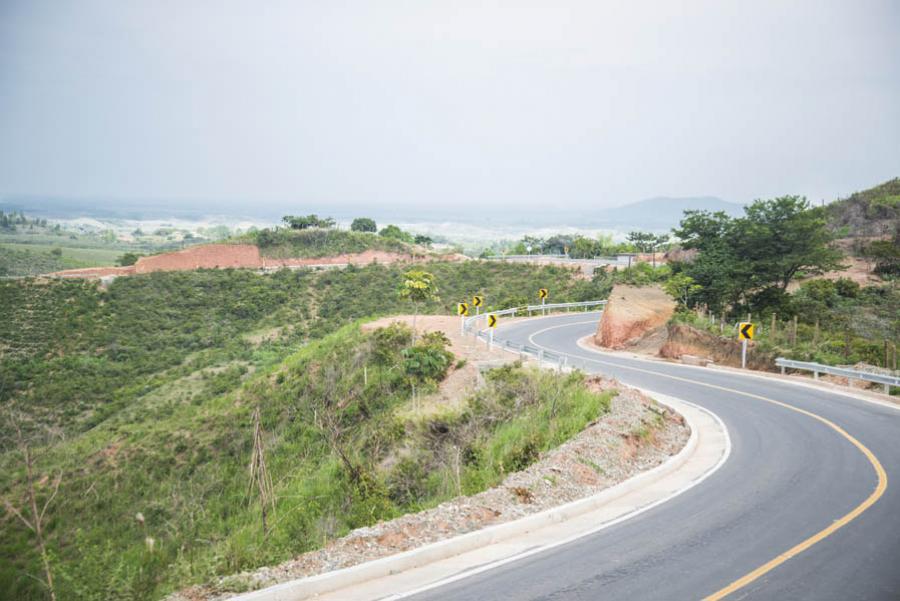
643,241
128,259
33,514
259,474
394,232
363,224
418,286
423,240
681,287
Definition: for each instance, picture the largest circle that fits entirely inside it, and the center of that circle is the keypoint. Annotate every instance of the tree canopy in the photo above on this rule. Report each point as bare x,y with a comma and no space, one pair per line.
393,231
303,222
364,224
758,254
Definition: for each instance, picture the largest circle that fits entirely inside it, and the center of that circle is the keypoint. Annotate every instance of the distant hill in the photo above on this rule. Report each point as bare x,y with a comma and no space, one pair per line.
663,212
872,212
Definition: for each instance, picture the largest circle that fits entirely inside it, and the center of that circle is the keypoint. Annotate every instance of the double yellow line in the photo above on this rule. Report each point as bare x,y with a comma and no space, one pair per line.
815,538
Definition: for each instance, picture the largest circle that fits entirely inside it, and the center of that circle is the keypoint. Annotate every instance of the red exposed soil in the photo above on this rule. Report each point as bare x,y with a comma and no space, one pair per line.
239,256
207,256
94,272
686,340
363,258
632,315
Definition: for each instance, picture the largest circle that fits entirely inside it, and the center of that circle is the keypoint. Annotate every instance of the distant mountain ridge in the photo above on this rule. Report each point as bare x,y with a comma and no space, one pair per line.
664,212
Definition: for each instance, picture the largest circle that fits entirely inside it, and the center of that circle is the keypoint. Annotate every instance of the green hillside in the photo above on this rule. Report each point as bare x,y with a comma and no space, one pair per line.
141,396
325,242
872,212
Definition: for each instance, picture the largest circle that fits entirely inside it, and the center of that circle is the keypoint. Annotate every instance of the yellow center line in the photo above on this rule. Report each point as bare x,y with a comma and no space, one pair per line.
815,538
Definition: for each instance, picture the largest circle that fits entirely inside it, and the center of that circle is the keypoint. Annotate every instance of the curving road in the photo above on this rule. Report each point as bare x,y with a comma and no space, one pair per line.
803,479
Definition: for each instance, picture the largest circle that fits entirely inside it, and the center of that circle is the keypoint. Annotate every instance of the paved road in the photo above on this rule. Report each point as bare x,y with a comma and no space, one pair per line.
790,475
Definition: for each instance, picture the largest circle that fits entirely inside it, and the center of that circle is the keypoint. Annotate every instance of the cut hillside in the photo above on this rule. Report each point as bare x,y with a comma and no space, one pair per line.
683,341
315,248
635,318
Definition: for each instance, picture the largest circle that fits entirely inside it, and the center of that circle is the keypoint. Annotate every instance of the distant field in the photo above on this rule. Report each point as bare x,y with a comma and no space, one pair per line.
86,257
18,259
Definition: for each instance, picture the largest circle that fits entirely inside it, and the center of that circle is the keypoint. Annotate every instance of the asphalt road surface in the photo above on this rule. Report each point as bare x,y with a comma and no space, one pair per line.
793,484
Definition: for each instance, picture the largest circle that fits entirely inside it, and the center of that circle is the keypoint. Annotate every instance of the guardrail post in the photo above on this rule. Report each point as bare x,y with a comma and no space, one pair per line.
815,375
887,389
782,370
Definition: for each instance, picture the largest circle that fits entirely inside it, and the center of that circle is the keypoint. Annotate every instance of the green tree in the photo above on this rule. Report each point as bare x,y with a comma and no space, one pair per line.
423,240
743,258
782,237
392,231
128,259
886,254
304,222
643,241
363,224
418,287
681,287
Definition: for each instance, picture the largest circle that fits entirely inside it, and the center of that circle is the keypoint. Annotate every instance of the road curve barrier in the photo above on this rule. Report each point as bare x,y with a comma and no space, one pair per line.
817,368
472,323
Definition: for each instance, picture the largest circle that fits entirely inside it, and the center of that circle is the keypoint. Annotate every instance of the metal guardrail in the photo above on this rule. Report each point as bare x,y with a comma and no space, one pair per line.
818,368
524,257
471,321
543,356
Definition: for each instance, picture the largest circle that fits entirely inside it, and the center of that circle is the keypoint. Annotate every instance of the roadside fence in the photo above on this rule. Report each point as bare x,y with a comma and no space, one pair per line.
844,372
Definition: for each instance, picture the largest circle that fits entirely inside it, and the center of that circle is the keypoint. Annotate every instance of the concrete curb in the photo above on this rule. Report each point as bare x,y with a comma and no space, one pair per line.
708,441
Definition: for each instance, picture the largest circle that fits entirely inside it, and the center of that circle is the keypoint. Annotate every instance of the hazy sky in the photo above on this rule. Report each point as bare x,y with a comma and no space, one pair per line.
477,105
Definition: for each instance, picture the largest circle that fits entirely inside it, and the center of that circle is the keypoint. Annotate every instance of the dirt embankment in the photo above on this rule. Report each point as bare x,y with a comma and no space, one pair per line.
237,256
686,340
635,318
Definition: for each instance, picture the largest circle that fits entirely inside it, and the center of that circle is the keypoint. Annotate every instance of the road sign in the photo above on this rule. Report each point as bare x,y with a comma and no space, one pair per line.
745,331
492,320
477,301
543,293
462,309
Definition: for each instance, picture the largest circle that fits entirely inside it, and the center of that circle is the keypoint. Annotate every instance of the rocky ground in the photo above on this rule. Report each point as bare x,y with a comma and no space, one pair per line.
637,434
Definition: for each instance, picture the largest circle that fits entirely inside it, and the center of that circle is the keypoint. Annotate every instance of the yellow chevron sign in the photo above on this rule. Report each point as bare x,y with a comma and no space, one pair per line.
543,293
745,331
462,309
492,321
477,301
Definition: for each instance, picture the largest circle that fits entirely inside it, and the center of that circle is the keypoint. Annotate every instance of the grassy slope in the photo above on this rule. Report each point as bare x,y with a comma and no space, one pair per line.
26,251
84,255
151,384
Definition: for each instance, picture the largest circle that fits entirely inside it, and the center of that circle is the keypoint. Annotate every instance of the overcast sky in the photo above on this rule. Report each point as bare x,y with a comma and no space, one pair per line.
475,105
